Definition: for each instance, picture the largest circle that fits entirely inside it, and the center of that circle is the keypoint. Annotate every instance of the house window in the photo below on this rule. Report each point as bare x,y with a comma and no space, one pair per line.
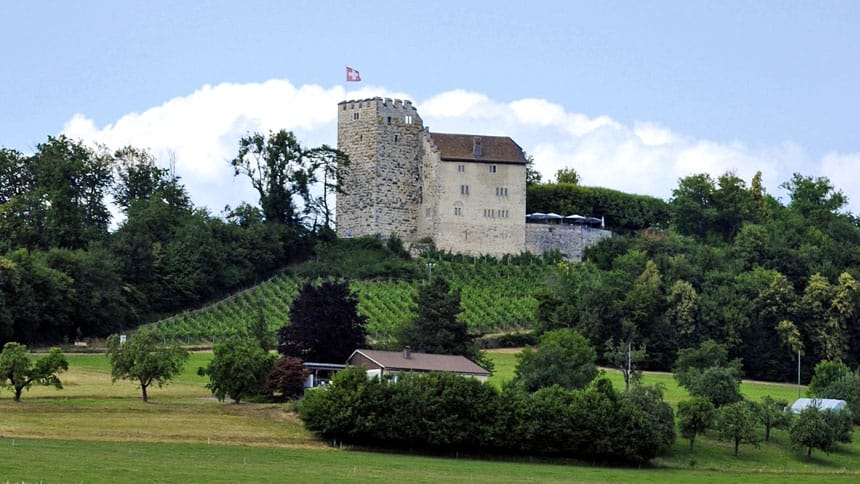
501,191
461,168
492,168
458,211
464,189
408,119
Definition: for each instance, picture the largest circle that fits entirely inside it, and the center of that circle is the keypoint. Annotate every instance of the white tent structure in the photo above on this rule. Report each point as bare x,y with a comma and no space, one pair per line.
823,404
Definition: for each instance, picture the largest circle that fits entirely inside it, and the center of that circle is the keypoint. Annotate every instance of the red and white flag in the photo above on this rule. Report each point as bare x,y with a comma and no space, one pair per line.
352,75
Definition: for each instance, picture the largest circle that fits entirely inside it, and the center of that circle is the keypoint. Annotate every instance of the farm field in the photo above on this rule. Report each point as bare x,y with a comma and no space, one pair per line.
95,430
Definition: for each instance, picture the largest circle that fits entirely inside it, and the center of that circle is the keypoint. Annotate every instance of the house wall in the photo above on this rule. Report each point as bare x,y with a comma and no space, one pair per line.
362,361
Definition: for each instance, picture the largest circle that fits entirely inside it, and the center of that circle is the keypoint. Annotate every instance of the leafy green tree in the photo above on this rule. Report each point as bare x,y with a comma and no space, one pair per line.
20,372
567,175
736,423
239,368
72,181
771,414
324,324
144,359
812,431
719,384
814,198
826,373
563,357
288,378
694,417
626,358
282,172
138,178
682,312
692,362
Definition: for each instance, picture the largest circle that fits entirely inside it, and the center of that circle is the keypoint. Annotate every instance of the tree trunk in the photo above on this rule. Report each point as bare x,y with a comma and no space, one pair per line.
809,452
737,444
767,433
143,390
18,391
691,444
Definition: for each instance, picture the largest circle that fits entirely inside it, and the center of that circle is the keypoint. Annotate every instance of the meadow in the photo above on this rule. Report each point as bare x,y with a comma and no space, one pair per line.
95,430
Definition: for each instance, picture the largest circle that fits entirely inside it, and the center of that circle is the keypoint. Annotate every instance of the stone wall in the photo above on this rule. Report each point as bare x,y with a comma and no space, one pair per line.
570,240
382,181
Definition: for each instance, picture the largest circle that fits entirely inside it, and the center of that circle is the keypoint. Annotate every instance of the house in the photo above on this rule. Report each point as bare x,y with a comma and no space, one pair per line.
381,363
319,374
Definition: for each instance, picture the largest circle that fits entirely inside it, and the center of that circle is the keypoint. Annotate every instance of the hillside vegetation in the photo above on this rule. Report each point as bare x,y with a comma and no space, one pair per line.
497,295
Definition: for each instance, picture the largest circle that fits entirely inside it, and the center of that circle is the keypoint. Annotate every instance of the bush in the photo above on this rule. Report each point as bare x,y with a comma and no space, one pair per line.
447,412
287,380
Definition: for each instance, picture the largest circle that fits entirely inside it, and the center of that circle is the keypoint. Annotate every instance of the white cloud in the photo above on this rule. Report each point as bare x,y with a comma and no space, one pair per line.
202,130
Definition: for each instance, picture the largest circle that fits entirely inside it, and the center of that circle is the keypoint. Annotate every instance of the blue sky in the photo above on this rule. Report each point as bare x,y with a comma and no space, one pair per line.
633,95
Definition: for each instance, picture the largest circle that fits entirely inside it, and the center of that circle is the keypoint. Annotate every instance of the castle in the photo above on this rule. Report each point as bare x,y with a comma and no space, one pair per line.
466,193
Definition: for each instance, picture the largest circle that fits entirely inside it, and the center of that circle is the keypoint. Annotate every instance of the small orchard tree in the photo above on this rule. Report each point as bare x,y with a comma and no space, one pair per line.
288,378
624,356
736,423
563,357
771,414
145,359
19,371
694,417
812,431
239,368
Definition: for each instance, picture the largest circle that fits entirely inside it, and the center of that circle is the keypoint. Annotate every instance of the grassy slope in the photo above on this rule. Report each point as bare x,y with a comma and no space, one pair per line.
95,430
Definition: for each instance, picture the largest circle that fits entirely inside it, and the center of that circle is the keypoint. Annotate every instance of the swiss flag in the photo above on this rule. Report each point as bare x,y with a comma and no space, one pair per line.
352,75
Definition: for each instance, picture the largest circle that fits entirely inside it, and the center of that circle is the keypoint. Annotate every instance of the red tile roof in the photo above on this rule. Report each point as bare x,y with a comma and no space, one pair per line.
494,149
395,360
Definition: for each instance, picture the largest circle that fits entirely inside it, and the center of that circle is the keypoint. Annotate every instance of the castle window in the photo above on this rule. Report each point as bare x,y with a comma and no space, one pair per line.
464,189
458,211
461,168
389,120
492,168
354,115
408,119
396,137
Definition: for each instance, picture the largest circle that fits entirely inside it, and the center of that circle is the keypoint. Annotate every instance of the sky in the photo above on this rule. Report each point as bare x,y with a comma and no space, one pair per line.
632,95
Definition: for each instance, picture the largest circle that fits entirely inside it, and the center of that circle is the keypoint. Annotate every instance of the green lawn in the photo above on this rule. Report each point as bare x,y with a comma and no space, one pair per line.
96,430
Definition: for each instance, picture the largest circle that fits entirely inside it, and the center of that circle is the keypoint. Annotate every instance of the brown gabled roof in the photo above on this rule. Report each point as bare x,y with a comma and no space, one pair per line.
395,360
494,149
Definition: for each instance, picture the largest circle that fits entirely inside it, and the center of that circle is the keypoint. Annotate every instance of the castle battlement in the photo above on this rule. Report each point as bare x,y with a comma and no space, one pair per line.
378,103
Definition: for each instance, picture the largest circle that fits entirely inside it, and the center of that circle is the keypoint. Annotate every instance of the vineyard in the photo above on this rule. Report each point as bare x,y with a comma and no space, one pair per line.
495,297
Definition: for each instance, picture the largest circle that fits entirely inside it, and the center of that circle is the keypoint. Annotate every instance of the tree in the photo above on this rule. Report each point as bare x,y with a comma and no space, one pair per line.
288,378
736,423
814,198
694,417
790,337
811,431
533,177
563,357
625,357
19,371
282,172
144,359
706,372
771,413
567,175
825,374
436,327
324,324
239,367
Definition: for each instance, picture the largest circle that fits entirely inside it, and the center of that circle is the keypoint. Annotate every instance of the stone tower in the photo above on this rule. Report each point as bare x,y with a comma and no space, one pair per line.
383,179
